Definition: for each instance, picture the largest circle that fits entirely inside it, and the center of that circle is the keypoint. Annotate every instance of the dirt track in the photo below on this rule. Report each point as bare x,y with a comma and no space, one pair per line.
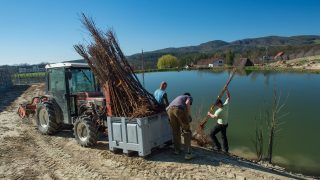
25,154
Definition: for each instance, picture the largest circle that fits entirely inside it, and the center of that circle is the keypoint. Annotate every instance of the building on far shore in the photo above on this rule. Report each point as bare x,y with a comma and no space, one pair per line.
243,62
279,56
210,62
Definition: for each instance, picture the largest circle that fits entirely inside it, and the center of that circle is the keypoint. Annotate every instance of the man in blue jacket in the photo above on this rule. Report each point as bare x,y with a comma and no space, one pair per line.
161,95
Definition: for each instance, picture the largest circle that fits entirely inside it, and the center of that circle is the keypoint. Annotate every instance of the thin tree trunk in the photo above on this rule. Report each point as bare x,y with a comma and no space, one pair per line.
270,149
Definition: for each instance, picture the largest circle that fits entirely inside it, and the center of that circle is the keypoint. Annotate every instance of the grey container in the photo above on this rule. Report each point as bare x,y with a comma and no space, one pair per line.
139,134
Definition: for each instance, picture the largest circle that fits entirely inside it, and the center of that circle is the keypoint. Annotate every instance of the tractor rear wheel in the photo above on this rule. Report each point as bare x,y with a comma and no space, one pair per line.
46,119
85,131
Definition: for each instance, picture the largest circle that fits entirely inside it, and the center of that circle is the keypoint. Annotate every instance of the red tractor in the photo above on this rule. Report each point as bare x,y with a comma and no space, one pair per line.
72,98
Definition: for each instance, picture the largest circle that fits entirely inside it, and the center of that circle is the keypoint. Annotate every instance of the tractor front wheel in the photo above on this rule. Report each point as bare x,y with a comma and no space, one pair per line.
46,119
85,131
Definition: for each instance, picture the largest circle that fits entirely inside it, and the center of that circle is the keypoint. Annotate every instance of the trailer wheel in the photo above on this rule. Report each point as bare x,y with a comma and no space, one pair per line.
85,131
46,119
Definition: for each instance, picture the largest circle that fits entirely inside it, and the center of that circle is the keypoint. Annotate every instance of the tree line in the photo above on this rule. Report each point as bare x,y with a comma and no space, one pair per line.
256,54
171,61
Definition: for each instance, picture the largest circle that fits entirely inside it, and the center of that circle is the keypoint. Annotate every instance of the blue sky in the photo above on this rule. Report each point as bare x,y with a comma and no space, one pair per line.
34,31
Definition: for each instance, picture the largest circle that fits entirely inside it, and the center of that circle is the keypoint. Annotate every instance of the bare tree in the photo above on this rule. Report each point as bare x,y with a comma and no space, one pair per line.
275,121
258,141
272,119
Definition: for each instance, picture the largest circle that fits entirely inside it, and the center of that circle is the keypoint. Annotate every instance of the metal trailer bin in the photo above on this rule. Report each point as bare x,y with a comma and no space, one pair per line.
138,134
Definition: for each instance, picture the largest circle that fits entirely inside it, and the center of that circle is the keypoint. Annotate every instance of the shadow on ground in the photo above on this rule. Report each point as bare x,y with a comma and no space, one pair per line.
206,157
11,95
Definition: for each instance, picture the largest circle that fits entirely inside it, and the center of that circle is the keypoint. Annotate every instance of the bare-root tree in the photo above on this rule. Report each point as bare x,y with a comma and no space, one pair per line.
113,71
197,115
258,141
274,123
272,119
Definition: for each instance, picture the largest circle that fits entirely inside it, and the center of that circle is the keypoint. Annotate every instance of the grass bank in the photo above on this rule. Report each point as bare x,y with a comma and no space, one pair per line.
281,69
29,75
215,69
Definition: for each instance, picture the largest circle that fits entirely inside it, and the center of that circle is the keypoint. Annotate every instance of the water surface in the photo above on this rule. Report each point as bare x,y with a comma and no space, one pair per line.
297,145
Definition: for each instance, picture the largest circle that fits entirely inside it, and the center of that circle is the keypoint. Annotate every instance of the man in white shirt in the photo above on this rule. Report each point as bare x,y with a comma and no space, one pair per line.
221,114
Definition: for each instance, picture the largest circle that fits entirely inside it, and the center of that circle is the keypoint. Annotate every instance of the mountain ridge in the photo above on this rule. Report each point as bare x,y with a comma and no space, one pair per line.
263,41
255,48
295,46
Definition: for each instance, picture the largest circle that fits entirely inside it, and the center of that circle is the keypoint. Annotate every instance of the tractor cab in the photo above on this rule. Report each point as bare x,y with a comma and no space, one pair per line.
72,86
72,98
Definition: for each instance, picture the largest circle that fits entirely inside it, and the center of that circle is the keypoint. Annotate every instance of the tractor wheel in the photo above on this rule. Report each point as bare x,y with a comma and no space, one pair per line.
85,131
46,119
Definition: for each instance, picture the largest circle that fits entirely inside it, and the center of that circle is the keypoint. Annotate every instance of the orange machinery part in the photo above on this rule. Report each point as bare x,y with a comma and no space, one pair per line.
25,109
108,100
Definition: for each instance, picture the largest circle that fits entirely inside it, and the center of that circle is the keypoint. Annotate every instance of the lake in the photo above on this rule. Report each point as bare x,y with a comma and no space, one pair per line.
297,146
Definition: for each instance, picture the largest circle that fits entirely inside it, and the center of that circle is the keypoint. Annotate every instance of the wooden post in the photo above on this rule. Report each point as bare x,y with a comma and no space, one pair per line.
142,68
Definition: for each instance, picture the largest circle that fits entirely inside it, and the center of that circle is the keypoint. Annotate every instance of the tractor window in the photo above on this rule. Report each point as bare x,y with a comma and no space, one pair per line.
57,80
81,80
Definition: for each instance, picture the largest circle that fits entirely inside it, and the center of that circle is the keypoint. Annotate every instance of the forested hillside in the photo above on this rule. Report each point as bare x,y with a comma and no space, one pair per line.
253,48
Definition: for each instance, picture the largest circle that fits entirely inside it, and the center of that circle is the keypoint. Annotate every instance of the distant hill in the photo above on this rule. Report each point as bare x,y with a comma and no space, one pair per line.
278,41
212,46
253,48
204,47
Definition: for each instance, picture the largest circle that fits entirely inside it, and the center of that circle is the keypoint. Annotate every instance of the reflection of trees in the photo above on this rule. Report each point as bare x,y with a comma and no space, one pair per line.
202,72
266,75
254,75
267,79
243,72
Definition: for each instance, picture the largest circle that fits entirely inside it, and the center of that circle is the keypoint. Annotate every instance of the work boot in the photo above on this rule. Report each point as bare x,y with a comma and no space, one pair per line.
176,152
188,156
215,149
225,152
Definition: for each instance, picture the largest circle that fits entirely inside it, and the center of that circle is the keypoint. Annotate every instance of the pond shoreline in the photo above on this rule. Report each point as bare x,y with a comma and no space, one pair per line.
250,68
276,167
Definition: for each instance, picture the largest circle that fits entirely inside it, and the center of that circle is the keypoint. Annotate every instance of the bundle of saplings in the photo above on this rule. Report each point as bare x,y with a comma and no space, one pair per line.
127,96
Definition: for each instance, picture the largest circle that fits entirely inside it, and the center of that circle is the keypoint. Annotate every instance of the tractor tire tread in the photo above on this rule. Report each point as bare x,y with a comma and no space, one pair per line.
53,126
92,131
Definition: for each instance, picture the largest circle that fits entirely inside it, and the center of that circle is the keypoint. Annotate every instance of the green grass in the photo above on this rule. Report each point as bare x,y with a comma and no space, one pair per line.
29,75
157,70
302,62
182,69
317,41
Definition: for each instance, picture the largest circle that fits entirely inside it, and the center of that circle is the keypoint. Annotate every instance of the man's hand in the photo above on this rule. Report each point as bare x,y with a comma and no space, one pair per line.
211,115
